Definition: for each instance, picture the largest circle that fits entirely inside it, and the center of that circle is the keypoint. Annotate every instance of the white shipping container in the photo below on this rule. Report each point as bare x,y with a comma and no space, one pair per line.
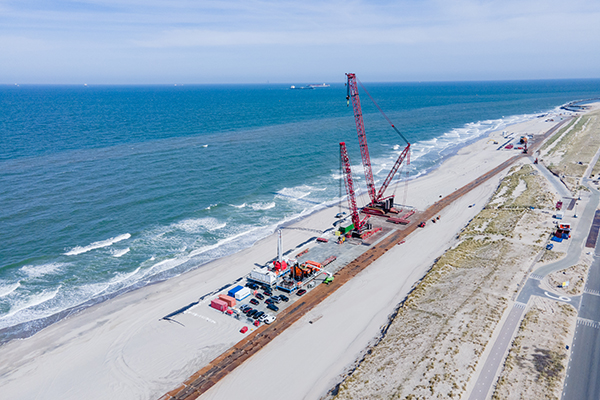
242,293
263,275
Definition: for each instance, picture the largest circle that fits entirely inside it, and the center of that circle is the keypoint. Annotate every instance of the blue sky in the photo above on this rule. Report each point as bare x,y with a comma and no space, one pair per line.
181,41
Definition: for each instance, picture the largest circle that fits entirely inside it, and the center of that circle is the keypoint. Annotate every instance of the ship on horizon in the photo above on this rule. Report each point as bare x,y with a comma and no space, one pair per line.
311,86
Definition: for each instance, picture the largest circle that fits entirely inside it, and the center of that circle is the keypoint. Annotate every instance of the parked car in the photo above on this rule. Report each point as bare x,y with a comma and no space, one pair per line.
276,299
259,314
268,293
259,296
252,285
549,246
244,307
263,317
270,319
254,301
284,297
269,301
273,307
301,292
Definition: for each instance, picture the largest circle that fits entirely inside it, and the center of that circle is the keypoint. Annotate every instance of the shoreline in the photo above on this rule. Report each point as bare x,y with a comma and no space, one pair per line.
29,328
123,349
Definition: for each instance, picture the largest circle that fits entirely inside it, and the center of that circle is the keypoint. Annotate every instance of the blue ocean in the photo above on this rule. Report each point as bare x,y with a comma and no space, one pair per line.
105,189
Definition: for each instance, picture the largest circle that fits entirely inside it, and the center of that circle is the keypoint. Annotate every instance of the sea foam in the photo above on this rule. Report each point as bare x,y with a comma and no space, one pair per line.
97,245
120,252
5,290
31,302
35,271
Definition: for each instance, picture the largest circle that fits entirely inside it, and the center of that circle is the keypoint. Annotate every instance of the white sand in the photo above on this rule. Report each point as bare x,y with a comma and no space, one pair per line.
121,349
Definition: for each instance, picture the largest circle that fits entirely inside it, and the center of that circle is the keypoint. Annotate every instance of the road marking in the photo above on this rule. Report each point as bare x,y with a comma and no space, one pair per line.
536,277
520,305
592,291
588,322
561,298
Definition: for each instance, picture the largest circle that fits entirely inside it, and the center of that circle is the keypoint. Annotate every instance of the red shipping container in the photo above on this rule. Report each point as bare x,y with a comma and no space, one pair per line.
218,304
227,299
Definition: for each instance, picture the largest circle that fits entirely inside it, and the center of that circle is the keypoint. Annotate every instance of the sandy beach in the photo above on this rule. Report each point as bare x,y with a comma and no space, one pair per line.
122,349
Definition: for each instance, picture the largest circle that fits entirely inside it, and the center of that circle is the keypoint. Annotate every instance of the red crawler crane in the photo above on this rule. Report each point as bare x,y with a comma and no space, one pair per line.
358,224
376,197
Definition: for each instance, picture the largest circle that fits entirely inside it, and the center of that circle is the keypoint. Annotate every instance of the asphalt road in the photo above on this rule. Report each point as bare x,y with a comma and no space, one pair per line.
588,328
496,356
583,372
578,238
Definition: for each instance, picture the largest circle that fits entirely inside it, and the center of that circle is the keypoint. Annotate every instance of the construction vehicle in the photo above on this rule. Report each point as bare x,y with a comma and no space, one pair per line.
379,204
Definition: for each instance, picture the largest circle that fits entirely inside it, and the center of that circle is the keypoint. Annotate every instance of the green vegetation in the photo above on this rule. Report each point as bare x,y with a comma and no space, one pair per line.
536,363
555,137
572,154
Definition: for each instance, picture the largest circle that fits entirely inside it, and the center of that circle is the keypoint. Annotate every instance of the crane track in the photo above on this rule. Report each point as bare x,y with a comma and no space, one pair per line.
217,369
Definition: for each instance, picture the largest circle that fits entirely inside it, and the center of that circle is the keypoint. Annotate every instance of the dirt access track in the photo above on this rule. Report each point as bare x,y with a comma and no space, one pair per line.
218,368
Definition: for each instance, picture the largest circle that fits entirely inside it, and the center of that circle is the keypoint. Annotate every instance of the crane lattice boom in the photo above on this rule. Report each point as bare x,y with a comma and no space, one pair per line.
350,187
352,94
405,154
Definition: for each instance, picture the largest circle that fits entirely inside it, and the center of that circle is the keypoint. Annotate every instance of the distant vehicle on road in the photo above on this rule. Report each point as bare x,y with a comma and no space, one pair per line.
549,246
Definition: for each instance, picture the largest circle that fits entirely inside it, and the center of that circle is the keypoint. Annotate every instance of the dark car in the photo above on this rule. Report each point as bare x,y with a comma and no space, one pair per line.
258,314
252,285
248,310
252,313
244,307
268,293
254,301
301,292
259,296
269,301
273,307
284,297
276,299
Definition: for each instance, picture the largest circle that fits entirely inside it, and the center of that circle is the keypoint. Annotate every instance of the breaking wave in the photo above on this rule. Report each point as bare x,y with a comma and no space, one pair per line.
97,245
